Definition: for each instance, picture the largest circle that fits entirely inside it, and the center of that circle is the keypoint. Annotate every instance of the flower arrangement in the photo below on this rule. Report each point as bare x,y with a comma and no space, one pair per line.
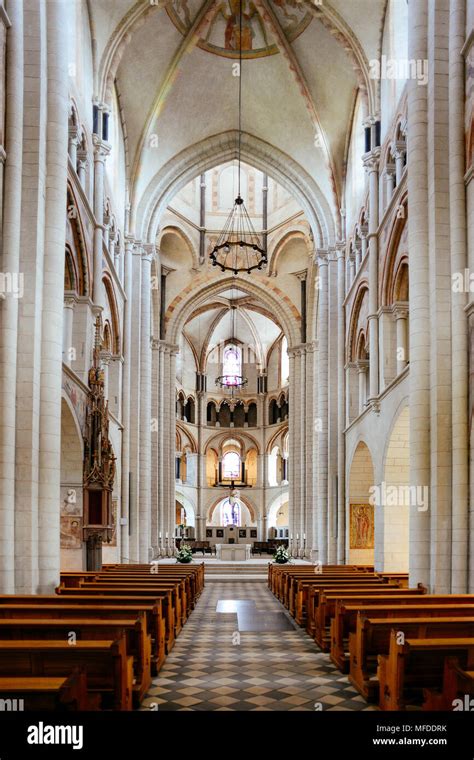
282,555
185,554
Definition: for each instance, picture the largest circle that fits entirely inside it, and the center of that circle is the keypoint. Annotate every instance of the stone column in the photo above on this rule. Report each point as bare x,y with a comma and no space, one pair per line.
101,151
401,317
57,14
126,388
201,464
398,149
459,352
390,180
321,539
145,404
362,367
10,262
292,520
135,429
440,294
309,413
162,520
73,142
420,327
28,324
82,168
371,164
352,269
332,406
69,304
341,404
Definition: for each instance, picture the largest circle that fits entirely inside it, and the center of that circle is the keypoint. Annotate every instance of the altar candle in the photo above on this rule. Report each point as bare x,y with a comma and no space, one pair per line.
160,535
291,537
297,536
304,536
166,535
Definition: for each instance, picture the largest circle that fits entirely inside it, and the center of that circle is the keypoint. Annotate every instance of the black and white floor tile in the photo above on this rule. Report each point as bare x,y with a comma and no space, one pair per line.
249,656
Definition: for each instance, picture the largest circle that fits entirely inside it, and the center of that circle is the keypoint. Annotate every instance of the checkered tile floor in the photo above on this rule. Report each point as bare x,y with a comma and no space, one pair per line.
213,666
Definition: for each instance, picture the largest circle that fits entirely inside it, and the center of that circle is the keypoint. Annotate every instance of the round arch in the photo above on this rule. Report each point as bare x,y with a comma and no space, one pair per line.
275,506
243,499
188,507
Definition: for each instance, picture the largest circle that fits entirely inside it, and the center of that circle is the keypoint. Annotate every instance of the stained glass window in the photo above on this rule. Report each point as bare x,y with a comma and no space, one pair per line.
232,364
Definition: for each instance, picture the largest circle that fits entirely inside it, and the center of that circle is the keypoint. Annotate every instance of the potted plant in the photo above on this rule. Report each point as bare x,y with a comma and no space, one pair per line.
185,554
281,555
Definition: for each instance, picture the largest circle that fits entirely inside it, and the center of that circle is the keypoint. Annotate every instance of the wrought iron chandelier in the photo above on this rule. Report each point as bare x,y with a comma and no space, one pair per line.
239,248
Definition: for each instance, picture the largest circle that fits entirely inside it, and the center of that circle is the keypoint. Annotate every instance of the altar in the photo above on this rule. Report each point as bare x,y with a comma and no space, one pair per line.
233,552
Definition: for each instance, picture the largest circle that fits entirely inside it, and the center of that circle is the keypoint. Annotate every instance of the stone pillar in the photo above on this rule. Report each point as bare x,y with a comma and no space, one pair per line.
401,317
292,520
440,294
341,404
362,367
101,151
352,269
398,149
390,180
10,262
145,405
126,389
73,142
420,327
321,539
162,520
309,413
69,304
82,168
57,15
371,164
135,429
459,352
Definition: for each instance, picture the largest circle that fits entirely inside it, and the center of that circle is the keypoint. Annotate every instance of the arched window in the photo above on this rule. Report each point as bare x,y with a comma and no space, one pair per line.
285,362
230,513
231,466
232,364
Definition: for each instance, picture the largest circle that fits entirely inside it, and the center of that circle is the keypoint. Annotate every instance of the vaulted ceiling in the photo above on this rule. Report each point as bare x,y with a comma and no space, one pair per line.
232,314
174,67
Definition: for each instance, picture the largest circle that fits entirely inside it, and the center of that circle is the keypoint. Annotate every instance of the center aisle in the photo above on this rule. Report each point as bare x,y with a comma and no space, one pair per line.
214,666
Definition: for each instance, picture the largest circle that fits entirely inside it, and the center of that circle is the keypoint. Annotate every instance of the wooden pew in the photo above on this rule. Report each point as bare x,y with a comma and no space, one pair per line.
108,668
457,690
56,693
372,637
140,589
118,596
418,664
321,605
132,613
345,615
299,591
195,571
179,584
325,600
280,579
138,644
154,609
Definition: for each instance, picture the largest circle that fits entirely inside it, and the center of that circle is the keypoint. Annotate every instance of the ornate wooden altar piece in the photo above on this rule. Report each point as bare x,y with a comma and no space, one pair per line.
99,464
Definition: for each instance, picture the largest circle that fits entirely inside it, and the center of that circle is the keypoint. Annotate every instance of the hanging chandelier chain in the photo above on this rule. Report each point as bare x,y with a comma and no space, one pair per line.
239,248
240,93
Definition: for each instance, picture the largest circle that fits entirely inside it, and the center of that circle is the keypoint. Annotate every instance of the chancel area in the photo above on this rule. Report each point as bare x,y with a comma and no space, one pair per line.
237,354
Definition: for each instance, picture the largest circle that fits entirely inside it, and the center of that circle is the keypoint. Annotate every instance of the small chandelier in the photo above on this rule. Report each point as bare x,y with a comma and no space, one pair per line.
239,248
232,382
